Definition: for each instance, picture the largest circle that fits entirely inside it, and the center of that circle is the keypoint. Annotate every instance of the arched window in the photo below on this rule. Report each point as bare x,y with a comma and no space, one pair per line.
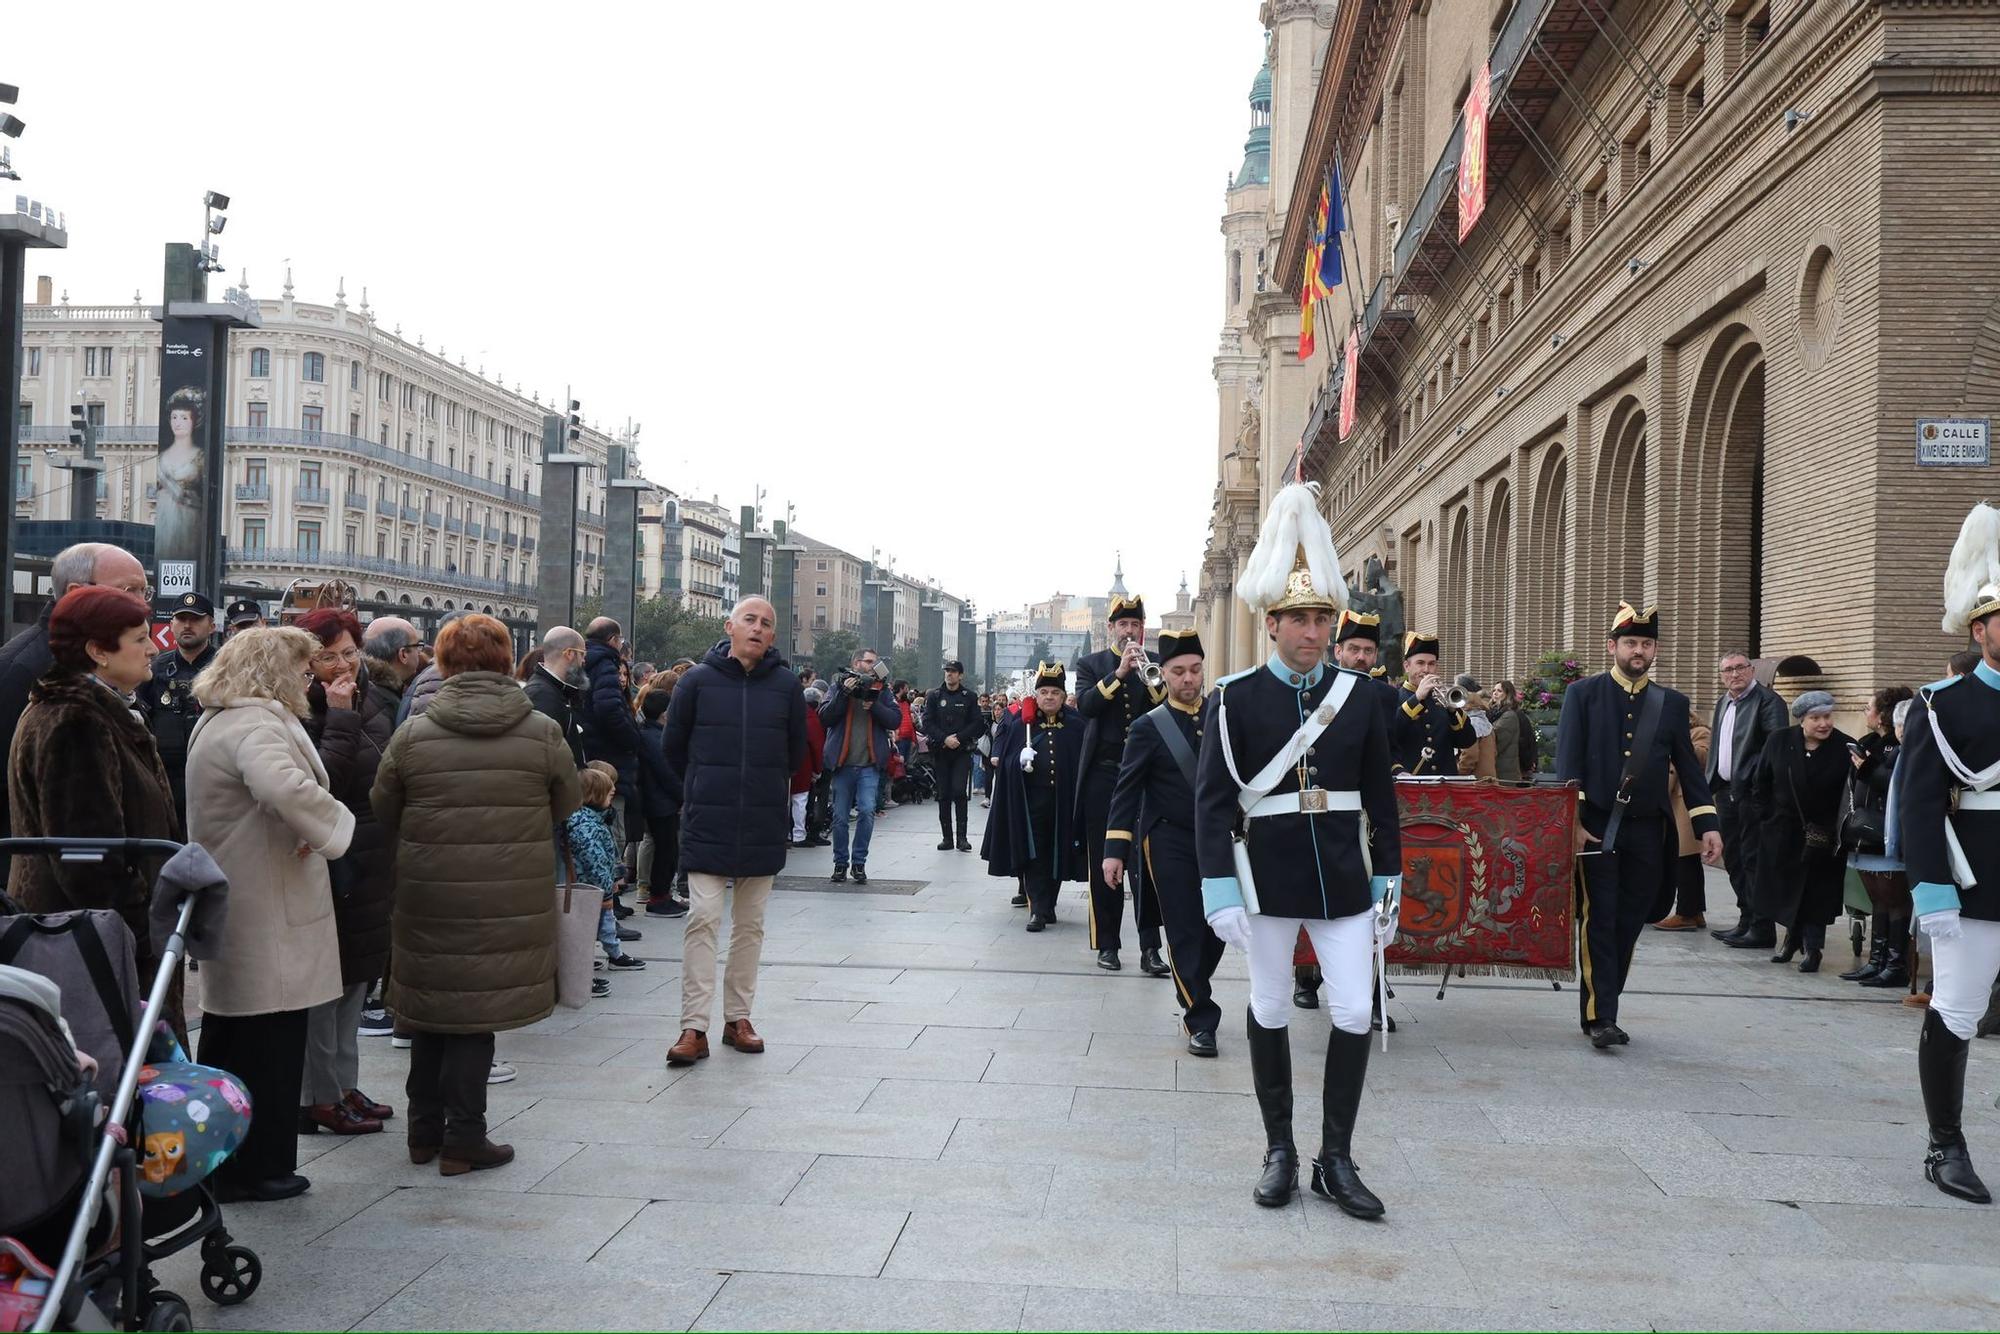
315,367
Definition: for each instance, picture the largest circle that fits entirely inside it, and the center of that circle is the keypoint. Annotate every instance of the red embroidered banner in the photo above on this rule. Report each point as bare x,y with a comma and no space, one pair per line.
1486,878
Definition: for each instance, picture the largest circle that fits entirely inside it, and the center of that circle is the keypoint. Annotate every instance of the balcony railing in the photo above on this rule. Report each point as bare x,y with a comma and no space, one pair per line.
454,525
432,519
591,521
356,500
410,514
510,540
385,507
310,495
372,449
106,435
254,491
528,544
25,493
492,533
392,569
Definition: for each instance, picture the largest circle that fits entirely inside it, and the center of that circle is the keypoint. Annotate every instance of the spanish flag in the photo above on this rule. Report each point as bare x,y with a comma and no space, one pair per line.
1311,290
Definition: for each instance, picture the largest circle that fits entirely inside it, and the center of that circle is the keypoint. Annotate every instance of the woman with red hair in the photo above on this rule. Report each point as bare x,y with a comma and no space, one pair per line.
350,726
84,766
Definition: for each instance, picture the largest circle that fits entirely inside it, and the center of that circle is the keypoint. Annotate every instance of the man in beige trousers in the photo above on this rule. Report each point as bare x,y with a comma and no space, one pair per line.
735,732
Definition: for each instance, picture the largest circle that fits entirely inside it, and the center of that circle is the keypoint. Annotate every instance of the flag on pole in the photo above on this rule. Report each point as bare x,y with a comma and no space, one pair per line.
1310,290
1350,372
1336,223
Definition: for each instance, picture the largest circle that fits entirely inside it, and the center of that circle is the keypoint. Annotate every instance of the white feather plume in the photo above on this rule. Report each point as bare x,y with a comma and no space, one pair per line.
1975,564
1293,522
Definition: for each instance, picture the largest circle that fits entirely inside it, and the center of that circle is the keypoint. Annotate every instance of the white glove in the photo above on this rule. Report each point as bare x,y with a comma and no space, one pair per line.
1028,758
1231,926
1942,924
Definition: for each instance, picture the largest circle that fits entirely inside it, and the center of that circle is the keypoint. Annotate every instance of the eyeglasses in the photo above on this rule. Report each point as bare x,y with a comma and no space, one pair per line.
327,657
1731,669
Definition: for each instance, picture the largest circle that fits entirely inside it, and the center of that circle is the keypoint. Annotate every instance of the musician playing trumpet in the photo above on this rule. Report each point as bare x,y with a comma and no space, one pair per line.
1432,726
1112,693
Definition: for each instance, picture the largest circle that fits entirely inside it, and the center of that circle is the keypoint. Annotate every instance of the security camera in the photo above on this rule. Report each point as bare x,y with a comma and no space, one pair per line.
213,199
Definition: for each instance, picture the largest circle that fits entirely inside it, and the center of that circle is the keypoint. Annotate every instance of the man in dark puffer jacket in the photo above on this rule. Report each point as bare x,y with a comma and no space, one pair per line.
736,730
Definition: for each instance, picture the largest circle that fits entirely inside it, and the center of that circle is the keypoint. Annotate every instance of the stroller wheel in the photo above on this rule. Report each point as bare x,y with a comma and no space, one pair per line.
166,1311
231,1276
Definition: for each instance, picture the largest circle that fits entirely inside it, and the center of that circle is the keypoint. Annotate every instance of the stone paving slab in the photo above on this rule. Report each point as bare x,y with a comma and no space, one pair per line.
957,1125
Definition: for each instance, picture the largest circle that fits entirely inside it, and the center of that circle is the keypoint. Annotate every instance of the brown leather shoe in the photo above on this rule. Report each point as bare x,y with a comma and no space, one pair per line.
737,1033
692,1047
1680,923
423,1153
342,1119
457,1160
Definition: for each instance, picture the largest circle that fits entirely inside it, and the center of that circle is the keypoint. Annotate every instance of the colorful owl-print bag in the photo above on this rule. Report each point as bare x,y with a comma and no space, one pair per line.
191,1118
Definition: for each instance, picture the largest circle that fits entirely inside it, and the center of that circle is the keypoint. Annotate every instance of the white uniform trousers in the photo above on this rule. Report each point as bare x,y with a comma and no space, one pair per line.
1962,972
1346,950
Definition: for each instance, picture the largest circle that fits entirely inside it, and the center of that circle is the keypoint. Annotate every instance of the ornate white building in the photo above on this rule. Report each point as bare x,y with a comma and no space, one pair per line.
351,451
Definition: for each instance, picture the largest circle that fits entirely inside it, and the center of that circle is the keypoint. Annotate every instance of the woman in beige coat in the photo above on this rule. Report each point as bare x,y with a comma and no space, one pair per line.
258,801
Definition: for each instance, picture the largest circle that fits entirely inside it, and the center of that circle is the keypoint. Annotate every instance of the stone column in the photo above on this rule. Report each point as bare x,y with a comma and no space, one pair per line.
621,537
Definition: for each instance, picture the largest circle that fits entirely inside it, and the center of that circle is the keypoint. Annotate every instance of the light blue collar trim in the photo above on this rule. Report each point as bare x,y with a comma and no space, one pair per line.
1277,668
1987,674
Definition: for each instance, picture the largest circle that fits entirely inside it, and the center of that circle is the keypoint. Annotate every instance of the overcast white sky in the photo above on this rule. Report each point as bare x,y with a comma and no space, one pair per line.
945,277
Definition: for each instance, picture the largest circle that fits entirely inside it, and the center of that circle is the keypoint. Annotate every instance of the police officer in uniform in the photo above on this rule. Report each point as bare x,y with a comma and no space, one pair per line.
1111,695
168,699
952,723
1152,810
242,614
1294,757
1032,834
1428,736
1623,810
1947,788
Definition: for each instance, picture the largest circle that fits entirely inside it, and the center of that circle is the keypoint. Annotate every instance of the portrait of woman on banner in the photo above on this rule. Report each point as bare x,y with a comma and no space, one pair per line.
177,526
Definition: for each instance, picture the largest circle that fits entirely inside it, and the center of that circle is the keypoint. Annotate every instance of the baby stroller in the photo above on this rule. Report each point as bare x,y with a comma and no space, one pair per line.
912,780
83,1204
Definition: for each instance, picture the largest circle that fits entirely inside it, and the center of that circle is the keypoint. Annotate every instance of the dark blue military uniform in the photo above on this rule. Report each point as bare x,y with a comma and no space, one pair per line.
1152,809
1968,711
1427,737
1032,832
1617,889
1306,865
1109,707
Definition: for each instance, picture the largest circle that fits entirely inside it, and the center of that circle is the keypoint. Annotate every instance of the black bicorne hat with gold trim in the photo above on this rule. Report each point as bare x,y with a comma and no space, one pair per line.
1419,642
1177,645
1631,621
1358,625
1123,606
1052,674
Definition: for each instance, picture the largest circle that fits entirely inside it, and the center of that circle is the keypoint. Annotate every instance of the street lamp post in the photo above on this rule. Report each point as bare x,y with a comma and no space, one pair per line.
35,227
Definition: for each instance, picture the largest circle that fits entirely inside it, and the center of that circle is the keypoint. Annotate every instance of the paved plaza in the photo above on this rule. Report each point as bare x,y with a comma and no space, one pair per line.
960,1125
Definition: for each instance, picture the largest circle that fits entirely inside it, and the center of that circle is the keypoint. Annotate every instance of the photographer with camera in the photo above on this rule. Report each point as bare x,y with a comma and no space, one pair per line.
861,719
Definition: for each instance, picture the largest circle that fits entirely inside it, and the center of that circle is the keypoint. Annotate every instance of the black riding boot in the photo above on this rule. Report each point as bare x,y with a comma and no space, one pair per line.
1271,1076
1333,1175
1878,950
1895,955
1305,986
1941,1071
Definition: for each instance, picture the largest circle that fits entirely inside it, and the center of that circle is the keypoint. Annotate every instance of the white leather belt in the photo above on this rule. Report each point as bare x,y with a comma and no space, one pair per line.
1969,800
1312,801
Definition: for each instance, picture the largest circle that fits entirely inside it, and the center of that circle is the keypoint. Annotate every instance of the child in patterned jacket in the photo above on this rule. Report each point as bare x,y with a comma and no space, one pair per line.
595,853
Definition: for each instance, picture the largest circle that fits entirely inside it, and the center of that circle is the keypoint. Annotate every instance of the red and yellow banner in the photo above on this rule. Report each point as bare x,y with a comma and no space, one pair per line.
1472,156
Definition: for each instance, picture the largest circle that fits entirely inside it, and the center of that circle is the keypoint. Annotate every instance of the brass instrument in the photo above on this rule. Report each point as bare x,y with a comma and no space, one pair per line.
1149,671
1452,697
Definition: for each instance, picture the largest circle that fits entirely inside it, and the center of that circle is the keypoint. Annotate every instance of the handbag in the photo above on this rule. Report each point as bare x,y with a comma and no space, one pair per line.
1820,840
578,908
1861,828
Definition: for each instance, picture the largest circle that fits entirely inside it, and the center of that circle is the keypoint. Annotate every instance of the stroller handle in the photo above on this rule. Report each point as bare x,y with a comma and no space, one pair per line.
90,849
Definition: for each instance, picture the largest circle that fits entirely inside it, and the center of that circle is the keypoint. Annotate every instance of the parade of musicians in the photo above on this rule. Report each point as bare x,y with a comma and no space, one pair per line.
1508,837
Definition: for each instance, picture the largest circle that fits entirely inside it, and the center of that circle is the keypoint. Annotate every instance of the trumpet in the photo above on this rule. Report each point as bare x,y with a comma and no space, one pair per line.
1451,697
1149,671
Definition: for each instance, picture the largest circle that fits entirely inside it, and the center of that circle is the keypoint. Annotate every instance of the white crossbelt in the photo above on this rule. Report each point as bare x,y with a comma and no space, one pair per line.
1312,801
